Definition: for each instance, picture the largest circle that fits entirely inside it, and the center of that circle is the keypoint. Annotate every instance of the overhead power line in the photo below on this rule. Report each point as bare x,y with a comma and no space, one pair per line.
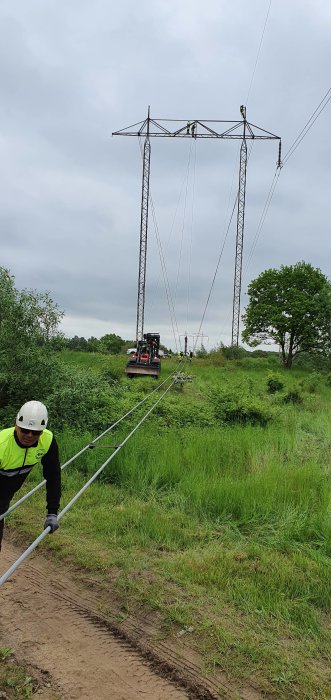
319,109
311,121
258,51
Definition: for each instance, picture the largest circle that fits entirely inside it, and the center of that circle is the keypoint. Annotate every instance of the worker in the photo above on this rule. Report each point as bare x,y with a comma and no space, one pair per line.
191,355
22,447
188,128
193,129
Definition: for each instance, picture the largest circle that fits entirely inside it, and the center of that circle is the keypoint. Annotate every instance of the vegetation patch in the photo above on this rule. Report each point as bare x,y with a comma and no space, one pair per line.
220,526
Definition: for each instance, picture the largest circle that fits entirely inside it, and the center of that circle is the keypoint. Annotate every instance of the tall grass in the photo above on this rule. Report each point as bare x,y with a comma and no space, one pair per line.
230,524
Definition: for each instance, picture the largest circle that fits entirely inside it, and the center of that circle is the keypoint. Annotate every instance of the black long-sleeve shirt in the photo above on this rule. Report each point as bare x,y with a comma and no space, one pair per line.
52,473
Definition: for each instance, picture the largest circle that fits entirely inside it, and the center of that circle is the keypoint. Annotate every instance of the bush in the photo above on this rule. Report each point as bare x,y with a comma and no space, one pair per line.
231,352
172,414
260,353
274,384
293,396
310,384
111,375
312,361
242,409
82,401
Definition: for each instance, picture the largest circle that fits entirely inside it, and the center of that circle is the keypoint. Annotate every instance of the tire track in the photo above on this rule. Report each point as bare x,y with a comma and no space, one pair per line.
56,625
46,627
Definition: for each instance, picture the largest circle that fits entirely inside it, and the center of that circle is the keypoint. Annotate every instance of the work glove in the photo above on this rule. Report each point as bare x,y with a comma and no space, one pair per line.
51,521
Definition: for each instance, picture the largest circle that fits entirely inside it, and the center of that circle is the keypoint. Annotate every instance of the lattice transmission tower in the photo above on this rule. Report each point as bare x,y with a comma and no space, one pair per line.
198,129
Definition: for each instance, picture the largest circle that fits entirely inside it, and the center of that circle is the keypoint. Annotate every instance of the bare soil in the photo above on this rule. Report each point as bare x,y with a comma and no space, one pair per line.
58,626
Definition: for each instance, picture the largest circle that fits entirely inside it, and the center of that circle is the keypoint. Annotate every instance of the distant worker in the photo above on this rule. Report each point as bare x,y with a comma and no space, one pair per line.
191,355
193,129
22,447
243,111
188,128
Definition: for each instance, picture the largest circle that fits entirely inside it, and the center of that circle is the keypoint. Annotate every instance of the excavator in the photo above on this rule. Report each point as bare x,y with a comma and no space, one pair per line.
146,359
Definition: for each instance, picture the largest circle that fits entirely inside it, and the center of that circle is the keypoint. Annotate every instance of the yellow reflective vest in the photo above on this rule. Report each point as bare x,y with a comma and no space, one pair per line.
20,460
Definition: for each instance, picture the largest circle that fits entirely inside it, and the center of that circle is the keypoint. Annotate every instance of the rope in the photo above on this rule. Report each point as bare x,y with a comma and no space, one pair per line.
45,532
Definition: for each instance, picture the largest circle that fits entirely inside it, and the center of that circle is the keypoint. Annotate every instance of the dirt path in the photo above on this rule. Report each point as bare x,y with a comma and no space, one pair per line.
52,628
68,631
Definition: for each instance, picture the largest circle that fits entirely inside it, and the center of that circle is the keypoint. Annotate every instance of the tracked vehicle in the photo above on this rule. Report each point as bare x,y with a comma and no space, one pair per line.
146,359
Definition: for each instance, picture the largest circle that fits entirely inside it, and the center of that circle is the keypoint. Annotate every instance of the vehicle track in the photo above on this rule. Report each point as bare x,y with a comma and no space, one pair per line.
70,633
51,630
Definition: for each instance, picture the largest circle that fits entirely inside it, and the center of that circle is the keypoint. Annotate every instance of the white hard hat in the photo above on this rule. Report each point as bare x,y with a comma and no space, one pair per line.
33,414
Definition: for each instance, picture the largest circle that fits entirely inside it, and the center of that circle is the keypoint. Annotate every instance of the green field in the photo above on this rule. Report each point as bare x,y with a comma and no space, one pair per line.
215,514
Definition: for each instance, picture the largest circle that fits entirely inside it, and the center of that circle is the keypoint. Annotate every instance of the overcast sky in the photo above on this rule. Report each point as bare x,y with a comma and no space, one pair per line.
72,72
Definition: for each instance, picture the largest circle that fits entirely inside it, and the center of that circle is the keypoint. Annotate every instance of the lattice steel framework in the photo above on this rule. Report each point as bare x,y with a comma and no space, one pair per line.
239,244
198,129
143,240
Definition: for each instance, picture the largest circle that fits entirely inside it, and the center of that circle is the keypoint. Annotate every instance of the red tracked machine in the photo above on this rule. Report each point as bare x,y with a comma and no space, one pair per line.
146,359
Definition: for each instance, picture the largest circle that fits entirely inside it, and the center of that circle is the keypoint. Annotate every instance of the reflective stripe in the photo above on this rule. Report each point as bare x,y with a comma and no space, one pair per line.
16,472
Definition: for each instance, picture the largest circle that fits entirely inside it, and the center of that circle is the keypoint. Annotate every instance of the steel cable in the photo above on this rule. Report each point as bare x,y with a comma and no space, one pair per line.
45,532
105,432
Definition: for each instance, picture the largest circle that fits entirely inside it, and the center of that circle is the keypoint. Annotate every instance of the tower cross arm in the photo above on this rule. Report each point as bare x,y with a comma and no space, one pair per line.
196,128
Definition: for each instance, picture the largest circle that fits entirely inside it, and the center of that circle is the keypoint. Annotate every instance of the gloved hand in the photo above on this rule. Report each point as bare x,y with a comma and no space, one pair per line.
51,521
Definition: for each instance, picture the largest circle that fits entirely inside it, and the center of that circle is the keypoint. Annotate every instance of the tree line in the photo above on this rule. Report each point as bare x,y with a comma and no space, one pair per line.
110,343
289,307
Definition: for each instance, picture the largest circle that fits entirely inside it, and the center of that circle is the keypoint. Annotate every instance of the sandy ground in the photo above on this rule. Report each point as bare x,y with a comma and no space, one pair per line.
42,621
68,632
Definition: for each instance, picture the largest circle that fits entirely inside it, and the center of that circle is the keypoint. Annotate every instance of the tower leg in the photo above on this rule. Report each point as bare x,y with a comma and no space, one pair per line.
143,240
239,244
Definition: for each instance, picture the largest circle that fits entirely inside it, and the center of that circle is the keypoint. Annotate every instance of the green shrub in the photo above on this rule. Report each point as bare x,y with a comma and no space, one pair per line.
310,383
81,400
293,396
171,414
111,375
274,384
231,352
233,408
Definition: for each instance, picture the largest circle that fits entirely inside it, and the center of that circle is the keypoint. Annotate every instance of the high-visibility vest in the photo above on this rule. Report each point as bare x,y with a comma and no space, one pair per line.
20,460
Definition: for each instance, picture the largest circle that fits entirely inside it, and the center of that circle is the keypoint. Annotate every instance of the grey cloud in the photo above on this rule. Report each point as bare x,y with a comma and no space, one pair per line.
70,192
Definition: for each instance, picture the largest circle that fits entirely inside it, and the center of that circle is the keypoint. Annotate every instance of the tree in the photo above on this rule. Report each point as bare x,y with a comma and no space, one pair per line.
76,343
28,327
292,308
93,344
111,343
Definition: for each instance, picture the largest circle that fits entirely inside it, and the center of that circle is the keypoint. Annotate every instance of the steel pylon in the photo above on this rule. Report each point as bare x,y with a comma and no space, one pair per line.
239,244
143,239
197,129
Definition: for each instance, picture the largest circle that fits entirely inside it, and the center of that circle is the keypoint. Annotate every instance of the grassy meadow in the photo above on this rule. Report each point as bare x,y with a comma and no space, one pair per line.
214,516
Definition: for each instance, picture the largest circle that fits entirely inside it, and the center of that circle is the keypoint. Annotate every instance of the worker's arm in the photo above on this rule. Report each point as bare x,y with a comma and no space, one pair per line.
52,474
